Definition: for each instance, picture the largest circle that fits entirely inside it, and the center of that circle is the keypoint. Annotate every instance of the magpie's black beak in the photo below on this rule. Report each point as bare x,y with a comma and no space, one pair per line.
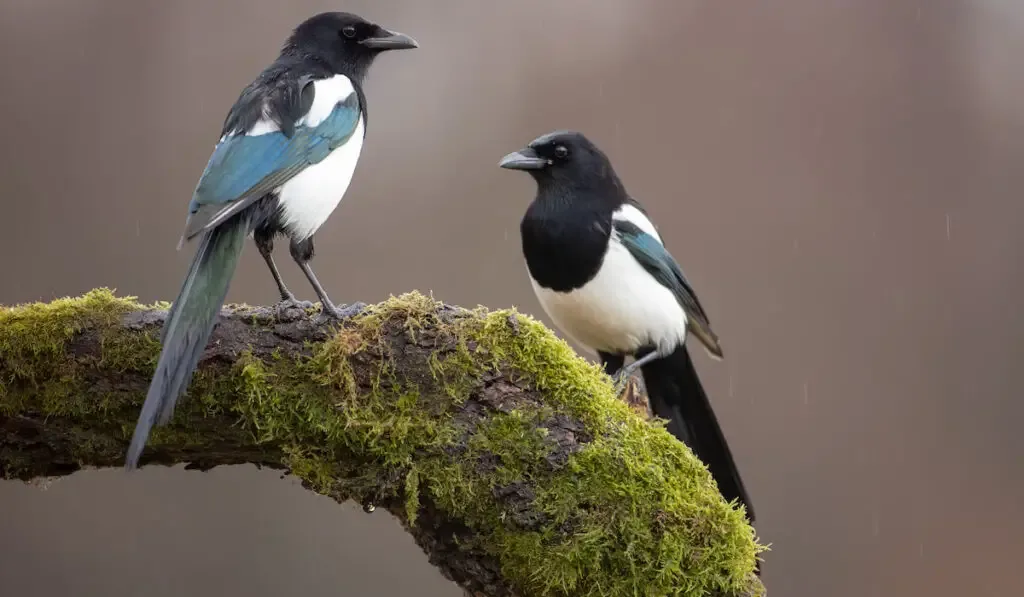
390,40
524,159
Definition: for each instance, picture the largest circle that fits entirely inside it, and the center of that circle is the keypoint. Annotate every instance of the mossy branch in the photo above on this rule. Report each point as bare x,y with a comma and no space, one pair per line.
503,453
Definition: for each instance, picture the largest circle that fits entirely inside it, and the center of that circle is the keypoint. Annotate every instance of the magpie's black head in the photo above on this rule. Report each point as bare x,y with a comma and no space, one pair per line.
565,157
347,42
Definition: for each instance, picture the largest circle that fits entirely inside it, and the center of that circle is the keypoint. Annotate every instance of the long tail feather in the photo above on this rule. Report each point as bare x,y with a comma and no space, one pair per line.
189,324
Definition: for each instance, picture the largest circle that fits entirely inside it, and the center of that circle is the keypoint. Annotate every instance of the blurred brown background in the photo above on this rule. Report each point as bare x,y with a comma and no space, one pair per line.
841,181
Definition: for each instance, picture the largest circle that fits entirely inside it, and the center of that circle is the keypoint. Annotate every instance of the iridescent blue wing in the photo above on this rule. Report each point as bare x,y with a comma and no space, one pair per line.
244,168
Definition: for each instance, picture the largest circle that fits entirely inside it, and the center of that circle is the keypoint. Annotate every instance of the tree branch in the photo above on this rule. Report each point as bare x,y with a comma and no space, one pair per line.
504,454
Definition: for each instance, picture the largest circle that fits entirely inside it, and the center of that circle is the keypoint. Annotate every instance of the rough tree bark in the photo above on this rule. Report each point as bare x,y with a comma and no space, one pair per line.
503,453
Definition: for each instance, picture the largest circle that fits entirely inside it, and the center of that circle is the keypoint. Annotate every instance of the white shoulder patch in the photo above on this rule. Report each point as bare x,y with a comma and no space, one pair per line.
328,93
629,213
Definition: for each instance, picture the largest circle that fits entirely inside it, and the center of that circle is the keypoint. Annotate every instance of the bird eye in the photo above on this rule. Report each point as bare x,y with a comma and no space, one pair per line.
349,31
561,152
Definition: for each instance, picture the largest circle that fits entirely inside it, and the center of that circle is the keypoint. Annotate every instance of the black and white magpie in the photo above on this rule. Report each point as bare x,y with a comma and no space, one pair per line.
602,274
286,155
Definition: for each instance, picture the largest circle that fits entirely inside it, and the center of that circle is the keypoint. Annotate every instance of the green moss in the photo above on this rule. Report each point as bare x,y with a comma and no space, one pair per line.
633,512
37,375
412,495
33,338
632,473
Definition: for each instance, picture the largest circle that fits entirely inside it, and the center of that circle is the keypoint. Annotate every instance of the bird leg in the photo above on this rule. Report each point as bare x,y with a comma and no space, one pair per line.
264,238
302,253
625,373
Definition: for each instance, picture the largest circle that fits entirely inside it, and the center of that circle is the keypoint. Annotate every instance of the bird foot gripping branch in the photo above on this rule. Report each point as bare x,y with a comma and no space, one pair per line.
624,383
342,313
631,391
292,309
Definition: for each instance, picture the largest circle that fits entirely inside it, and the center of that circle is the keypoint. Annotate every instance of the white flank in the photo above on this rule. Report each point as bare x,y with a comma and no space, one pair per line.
621,310
308,199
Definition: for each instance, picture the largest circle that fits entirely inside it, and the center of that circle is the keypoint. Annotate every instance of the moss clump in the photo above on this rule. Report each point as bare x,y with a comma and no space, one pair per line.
43,372
33,339
487,417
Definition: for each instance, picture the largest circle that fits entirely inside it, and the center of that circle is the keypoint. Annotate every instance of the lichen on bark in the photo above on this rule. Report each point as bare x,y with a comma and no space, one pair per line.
503,453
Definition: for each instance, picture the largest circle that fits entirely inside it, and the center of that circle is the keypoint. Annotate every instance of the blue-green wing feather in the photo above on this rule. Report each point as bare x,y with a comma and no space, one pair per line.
244,168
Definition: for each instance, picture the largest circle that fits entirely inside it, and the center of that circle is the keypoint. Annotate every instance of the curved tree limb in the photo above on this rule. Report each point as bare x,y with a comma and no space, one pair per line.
504,454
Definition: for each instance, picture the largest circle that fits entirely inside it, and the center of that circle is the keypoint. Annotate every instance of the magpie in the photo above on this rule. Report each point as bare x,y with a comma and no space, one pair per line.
602,274
287,152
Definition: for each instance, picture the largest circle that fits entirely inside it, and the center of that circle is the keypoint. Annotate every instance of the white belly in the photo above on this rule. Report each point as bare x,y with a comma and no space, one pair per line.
307,200
621,310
